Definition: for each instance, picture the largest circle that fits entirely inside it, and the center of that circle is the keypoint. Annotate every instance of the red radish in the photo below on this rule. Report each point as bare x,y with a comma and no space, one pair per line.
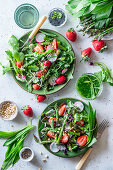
50,134
54,44
64,138
49,47
79,105
20,63
36,87
71,34
41,72
52,81
86,53
80,122
81,141
23,77
28,111
99,45
64,71
18,75
52,57
40,98
61,80
47,64
54,147
62,110
39,49
51,118
39,38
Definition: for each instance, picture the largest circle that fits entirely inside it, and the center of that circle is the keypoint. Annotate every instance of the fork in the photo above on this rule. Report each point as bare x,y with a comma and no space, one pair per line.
101,128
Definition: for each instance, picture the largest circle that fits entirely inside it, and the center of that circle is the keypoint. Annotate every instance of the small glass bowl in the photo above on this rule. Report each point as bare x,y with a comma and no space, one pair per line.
26,16
63,13
99,92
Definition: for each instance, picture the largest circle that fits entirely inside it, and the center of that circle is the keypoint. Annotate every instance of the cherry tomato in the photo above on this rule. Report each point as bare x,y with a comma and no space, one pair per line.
39,48
20,63
81,141
41,72
50,134
62,110
80,123
64,138
54,44
36,87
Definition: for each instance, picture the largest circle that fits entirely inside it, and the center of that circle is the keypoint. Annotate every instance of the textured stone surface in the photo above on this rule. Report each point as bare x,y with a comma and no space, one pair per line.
102,155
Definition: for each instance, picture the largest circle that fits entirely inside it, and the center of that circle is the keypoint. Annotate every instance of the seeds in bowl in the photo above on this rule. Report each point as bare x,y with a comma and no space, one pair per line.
7,110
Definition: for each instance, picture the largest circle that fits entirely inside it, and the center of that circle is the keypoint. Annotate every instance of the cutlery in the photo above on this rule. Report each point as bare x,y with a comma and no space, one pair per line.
101,128
35,30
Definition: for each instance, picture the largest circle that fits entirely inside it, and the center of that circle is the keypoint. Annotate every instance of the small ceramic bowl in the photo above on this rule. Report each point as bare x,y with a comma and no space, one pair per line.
29,158
12,115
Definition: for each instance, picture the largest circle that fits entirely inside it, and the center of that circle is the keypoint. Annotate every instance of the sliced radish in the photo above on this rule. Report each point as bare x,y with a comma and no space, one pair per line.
52,57
52,81
79,105
61,147
54,147
39,37
49,47
64,71
67,128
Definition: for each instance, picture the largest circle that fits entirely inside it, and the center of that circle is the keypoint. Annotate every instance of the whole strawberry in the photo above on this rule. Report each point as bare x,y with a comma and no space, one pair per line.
40,98
86,54
28,111
99,45
61,80
71,34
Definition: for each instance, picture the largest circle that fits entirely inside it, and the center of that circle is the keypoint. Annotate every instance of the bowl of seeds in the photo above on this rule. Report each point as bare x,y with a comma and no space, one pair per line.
8,110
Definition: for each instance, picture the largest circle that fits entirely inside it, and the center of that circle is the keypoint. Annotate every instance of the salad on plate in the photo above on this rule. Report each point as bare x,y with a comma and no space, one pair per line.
68,127
43,66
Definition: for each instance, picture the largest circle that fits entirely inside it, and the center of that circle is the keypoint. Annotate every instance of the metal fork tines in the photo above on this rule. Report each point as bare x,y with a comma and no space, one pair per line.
102,127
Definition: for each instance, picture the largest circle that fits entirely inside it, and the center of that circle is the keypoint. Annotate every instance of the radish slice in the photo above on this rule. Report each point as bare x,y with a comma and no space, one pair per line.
64,71
54,147
61,147
67,128
79,105
52,81
39,37
49,47
52,57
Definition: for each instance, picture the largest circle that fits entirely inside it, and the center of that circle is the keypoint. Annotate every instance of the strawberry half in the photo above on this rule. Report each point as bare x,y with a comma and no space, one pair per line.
71,34
61,80
28,111
86,54
36,87
99,45
47,64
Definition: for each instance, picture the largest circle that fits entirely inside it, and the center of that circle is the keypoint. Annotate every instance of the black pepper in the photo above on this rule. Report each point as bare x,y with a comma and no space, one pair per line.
26,153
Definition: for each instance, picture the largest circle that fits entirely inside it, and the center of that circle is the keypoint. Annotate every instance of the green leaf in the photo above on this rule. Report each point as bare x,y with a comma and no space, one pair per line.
9,54
33,68
13,43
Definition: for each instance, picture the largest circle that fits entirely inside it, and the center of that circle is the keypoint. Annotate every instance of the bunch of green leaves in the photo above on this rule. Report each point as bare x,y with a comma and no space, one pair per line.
105,75
96,16
14,142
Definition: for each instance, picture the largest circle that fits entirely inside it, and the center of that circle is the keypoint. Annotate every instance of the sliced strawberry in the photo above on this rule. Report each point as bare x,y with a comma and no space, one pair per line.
62,110
81,141
36,87
41,73
61,80
51,118
86,53
71,34
39,48
50,134
54,44
99,45
80,123
47,64
64,138
20,63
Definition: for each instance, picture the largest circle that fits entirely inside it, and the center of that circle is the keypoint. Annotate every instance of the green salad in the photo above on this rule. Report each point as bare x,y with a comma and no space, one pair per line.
42,64
68,126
